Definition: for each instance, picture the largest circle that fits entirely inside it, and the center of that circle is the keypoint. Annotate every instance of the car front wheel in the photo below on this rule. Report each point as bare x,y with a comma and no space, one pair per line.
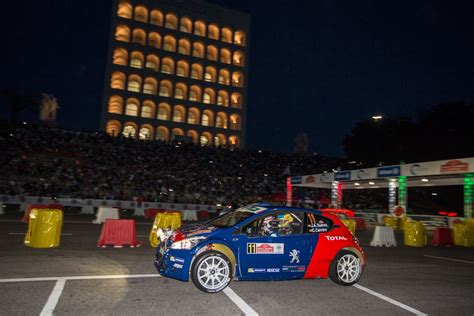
211,271
346,268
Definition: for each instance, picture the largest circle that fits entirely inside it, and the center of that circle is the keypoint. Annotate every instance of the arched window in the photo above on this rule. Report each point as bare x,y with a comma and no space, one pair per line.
130,130
185,24
237,79
223,98
141,14
235,121
209,96
224,76
117,81
210,74
164,110
136,59
221,120
134,83
195,93
169,43
184,47
234,141
226,35
212,53
207,118
162,133
193,116
113,127
239,38
156,17
122,33
171,21
182,68
180,91
178,114
115,104
177,132
213,31
220,140
154,40
150,86
146,132
198,50
139,36
166,88
194,135
238,58
148,109
125,9
196,71
225,56
120,56
205,139
167,65
200,28
152,62
236,100
131,107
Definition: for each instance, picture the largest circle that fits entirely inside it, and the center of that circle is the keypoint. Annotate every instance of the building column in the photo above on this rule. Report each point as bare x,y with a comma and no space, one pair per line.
336,194
468,195
402,192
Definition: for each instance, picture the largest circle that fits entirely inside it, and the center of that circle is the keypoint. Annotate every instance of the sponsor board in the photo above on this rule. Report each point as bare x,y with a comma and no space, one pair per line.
454,166
310,179
293,268
265,248
365,174
256,270
392,171
296,180
345,175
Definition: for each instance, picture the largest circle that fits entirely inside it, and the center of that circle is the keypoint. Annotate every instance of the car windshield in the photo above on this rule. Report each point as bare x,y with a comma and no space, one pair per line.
231,219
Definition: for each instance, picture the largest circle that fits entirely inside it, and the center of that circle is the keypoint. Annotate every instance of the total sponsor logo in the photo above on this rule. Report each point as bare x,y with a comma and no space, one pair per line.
334,238
454,166
310,179
176,259
265,248
256,270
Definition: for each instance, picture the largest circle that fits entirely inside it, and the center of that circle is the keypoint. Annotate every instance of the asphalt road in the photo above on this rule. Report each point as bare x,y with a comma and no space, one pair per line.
397,281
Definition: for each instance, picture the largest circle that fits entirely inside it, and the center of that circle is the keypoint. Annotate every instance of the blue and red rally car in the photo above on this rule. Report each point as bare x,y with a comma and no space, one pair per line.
262,242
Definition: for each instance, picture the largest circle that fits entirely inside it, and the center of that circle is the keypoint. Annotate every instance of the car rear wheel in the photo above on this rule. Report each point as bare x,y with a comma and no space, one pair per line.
211,271
346,268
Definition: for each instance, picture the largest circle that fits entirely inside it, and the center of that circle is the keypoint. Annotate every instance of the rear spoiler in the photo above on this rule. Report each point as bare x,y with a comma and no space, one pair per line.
336,211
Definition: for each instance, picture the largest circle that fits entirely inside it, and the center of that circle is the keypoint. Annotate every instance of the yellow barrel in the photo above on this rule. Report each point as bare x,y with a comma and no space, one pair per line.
44,228
401,222
464,234
164,220
350,224
415,234
391,221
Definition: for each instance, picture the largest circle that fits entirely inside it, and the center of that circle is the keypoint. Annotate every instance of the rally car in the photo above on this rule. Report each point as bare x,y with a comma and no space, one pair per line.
262,242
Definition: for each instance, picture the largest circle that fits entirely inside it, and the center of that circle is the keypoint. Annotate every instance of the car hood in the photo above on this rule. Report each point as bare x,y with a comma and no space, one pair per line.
194,230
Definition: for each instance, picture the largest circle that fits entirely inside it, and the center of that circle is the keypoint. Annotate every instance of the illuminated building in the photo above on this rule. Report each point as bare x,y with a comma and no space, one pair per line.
177,70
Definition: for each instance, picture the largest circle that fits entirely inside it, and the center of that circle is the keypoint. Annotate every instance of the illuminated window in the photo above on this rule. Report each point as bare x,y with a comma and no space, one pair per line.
178,114
224,77
136,60
167,66
165,88
122,33
150,86
236,100
141,14
221,120
199,28
130,130
225,56
117,81
184,46
205,139
196,71
145,132
226,35
164,111
131,107
169,43
198,50
210,74
171,21
134,83
222,98
182,68
194,135
124,10
120,56
235,122
238,58
239,38
219,140
237,79
115,104
156,17
185,25
212,53
113,127
177,132
213,31
154,40
148,109
152,62
139,36
209,96
207,118
162,133
234,141
195,93
180,91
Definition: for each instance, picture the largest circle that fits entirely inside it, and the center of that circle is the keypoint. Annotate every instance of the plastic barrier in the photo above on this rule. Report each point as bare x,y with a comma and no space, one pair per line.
118,232
29,207
151,212
190,215
383,236
164,220
350,224
44,228
104,213
203,214
464,234
442,237
415,234
391,221
401,222
360,223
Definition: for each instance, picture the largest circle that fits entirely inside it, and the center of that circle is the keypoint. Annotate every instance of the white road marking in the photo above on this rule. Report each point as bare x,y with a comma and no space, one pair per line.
450,259
82,277
65,234
244,307
53,298
390,300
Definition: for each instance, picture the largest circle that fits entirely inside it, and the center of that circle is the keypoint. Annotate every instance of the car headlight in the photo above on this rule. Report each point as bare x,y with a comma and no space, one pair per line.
187,243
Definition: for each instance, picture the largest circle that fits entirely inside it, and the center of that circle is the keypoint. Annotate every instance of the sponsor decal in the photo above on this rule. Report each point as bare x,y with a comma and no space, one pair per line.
257,209
178,266
362,174
325,177
273,270
332,238
454,166
176,259
296,180
265,248
317,227
295,256
256,270
416,168
293,268
310,179
393,171
345,175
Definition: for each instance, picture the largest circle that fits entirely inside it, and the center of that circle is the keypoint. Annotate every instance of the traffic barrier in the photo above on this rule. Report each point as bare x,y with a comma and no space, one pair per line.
401,222
118,232
383,236
350,224
44,228
391,221
203,214
360,223
151,212
29,207
104,213
442,237
464,234
166,219
415,234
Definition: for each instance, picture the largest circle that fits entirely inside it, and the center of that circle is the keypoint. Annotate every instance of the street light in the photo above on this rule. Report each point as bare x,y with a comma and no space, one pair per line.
377,117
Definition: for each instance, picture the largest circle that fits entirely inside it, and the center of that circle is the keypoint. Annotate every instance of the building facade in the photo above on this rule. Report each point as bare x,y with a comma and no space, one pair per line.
177,70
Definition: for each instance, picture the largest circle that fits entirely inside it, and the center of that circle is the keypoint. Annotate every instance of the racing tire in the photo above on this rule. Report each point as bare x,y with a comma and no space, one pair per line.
346,268
211,271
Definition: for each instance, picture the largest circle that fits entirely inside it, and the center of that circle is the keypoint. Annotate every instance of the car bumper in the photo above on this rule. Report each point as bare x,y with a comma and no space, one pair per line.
174,264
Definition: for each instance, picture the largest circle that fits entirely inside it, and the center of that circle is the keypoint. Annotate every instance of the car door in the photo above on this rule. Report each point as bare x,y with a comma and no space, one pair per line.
274,247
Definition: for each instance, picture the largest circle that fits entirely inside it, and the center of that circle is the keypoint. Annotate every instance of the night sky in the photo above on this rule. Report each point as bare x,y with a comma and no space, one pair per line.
315,66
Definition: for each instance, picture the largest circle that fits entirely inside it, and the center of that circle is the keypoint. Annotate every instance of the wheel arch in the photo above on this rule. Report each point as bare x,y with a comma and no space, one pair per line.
220,247
356,251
